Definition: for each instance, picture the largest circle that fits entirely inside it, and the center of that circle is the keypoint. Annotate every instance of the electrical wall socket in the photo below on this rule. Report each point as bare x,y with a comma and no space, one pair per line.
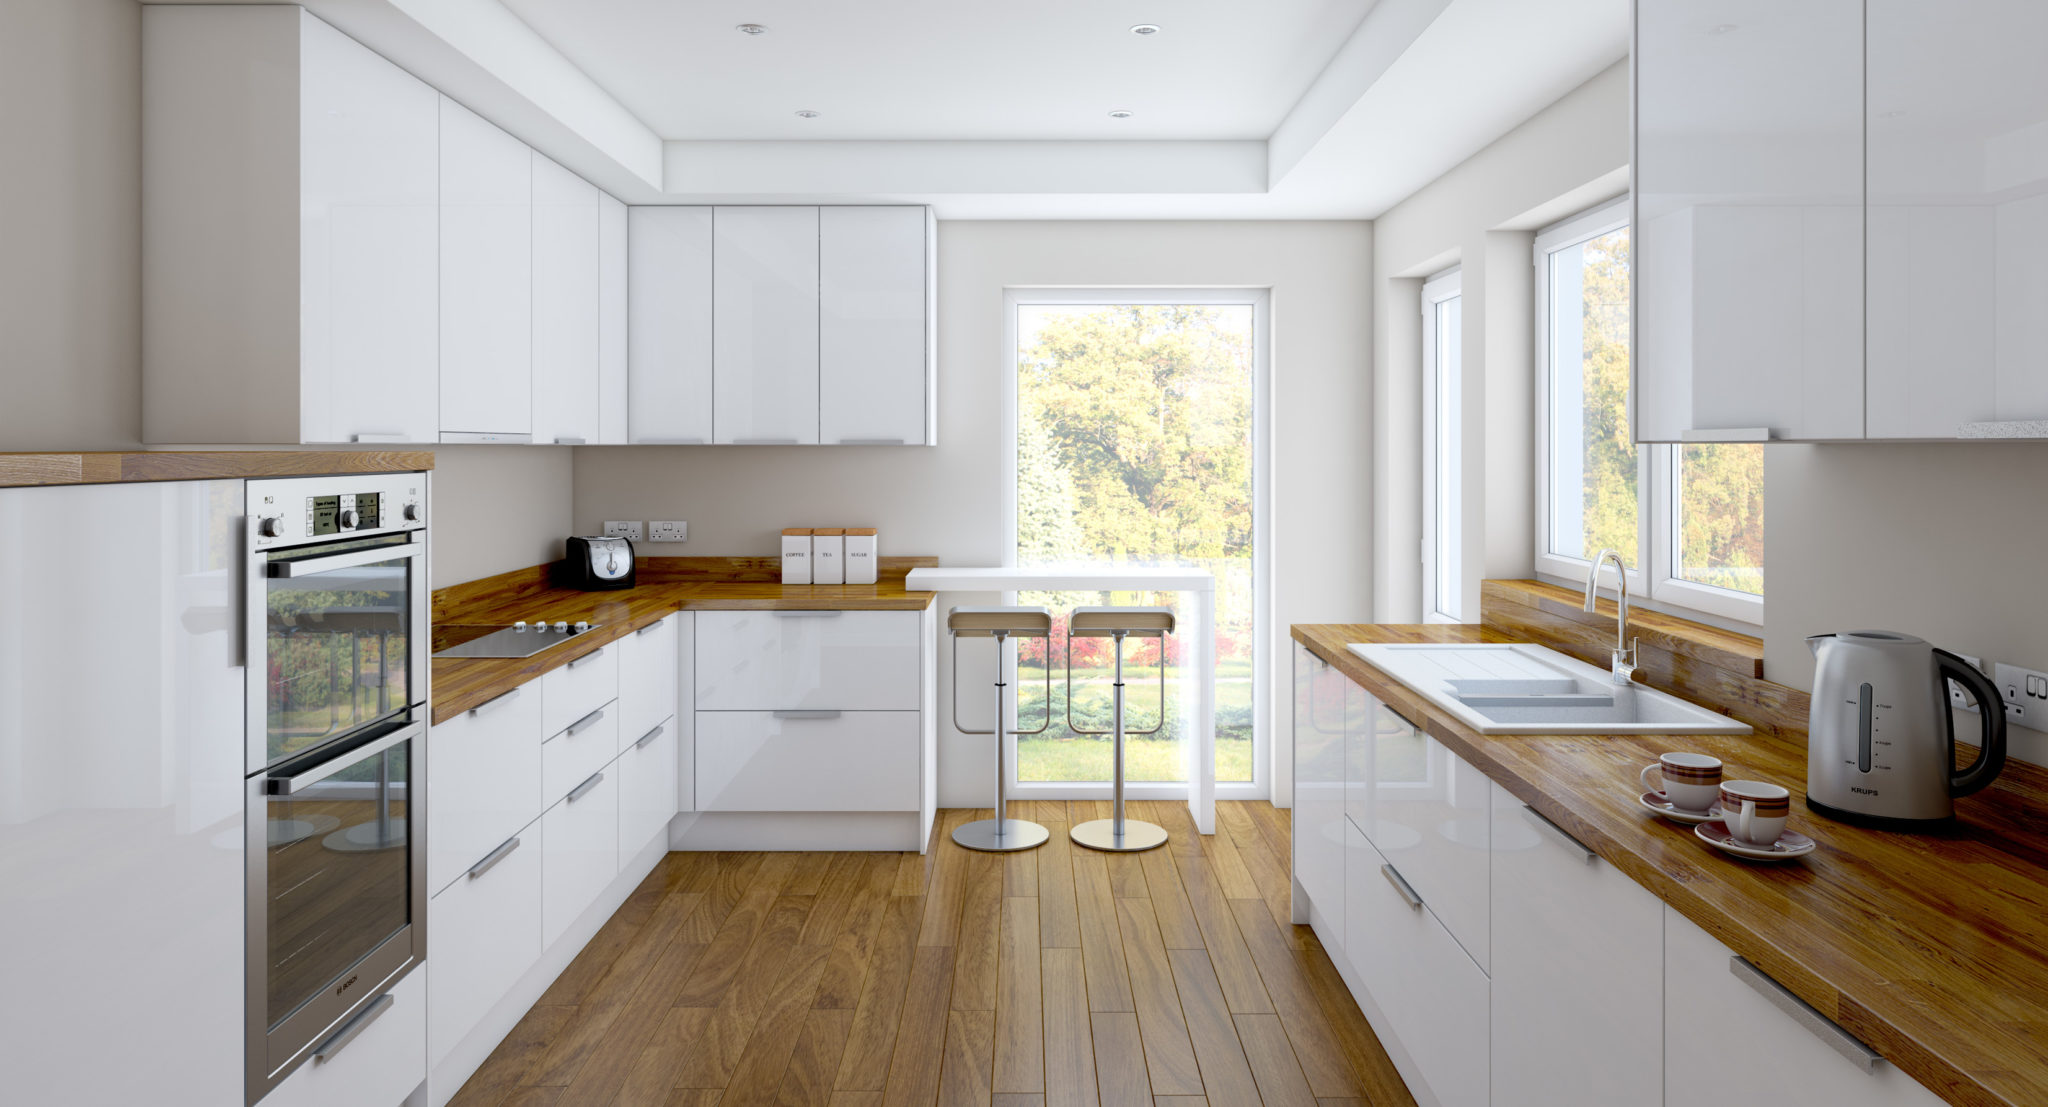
2026,695
624,529
660,531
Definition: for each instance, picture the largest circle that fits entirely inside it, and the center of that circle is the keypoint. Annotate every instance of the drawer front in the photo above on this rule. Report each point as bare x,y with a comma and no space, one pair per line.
485,932
647,786
485,765
568,759
1430,818
1434,996
647,677
1318,834
855,761
781,660
579,853
571,691
379,1068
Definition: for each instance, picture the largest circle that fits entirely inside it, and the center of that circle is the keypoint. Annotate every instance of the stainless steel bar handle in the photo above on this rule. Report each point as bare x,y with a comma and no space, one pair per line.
495,702
804,714
649,628
821,614
649,737
1401,885
287,785
585,723
376,436
569,440
314,565
593,655
328,1049
869,442
1558,833
764,442
668,442
584,788
1823,1027
492,858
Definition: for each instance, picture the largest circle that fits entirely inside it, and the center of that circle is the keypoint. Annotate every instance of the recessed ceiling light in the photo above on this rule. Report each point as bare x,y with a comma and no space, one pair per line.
1892,114
751,29
806,113
1120,113
1145,29
1724,28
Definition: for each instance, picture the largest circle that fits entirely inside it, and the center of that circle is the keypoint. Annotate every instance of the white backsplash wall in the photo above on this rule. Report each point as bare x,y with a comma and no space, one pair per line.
498,508
1947,541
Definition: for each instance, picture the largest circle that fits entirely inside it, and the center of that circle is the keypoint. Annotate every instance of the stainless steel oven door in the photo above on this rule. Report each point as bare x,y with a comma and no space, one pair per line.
337,893
340,630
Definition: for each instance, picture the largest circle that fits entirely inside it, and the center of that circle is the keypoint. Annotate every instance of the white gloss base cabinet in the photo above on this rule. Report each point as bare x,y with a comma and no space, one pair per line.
485,931
647,787
828,761
382,1066
1430,817
647,678
579,850
486,771
1319,782
796,660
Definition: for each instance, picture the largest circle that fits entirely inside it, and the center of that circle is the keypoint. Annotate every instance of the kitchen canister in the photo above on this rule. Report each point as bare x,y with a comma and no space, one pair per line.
828,556
860,555
796,555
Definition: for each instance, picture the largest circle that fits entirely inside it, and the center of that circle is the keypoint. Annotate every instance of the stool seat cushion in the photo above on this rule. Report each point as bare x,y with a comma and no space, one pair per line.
984,622
1136,622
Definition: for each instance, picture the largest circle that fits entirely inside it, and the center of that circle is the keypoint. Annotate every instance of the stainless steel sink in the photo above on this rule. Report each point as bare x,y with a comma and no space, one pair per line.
1522,688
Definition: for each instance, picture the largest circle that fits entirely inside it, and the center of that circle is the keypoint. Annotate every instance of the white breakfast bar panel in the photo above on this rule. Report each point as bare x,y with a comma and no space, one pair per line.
1199,585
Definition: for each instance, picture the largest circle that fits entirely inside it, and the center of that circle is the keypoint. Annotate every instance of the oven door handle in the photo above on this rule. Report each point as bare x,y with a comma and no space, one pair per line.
314,565
287,785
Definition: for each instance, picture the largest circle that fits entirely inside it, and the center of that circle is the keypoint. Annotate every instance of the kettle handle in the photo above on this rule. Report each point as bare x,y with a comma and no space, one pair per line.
1990,706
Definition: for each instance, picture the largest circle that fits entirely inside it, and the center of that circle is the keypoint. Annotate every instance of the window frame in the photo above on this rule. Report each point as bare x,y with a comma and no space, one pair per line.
1436,291
1657,465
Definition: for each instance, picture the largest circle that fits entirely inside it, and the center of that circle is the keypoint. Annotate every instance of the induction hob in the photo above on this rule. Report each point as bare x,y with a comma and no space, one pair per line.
518,640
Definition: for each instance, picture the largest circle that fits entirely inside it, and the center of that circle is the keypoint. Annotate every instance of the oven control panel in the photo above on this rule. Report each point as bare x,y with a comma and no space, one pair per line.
287,511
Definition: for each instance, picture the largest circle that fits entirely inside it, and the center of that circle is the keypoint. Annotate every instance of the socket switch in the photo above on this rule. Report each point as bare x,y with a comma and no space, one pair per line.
624,529
2026,695
660,531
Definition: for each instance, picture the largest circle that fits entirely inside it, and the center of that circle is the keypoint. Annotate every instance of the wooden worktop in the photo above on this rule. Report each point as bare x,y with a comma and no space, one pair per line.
1931,947
31,470
667,585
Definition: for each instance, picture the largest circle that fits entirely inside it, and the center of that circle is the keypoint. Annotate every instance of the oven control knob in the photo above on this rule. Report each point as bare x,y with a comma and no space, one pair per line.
349,520
270,527
411,513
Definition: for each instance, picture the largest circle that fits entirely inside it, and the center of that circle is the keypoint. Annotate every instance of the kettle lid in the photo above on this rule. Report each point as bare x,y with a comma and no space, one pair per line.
1882,638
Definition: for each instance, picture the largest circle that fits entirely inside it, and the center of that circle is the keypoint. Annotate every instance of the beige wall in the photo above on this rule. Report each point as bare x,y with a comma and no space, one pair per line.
499,508
947,500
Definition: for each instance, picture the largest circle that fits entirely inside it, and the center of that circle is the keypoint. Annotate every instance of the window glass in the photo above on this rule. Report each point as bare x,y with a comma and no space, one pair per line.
1719,490
1446,538
1593,495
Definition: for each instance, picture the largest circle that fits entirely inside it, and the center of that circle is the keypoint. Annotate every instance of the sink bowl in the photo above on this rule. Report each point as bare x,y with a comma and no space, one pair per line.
1522,688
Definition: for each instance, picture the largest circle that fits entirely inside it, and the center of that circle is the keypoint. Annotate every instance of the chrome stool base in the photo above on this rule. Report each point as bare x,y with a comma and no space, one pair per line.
1101,834
1003,835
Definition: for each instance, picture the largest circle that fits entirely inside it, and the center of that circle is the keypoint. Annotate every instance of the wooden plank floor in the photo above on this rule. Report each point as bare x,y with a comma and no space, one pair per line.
1057,977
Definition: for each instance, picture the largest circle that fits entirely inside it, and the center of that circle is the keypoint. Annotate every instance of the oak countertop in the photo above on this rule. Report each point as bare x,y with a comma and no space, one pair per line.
1931,947
30,470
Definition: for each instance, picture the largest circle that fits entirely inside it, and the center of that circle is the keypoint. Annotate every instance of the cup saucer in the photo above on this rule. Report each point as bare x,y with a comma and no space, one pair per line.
1662,805
1788,845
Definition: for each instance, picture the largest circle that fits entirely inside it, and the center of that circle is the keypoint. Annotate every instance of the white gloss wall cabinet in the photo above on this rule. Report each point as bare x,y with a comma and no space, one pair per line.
290,233
579,850
486,281
669,325
382,1065
876,357
486,767
764,333
612,268
1578,1000
121,806
567,389
1319,768
486,931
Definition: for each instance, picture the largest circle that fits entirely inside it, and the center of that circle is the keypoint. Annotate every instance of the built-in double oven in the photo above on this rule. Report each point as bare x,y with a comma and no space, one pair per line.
337,620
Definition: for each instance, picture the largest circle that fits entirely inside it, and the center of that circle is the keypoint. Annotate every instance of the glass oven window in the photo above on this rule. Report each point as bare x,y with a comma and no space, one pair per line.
336,648
339,882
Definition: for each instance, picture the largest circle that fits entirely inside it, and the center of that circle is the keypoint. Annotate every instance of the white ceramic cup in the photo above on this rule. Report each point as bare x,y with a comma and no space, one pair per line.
1691,781
1754,810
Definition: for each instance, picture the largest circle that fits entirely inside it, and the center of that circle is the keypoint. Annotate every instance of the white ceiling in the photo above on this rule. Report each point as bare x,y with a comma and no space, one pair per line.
951,69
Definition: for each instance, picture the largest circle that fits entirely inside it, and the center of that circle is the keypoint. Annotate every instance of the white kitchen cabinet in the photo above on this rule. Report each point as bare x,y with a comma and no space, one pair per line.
566,385
612,323
579,850
1578,995
647,678
669,325
586,746
1710,1012
485,931
875,350
486,281
485,765
764,332
382,1065
290,233
1361,717
570,692
1430,819
647,787
807,760
793,660
1434,996
1319,783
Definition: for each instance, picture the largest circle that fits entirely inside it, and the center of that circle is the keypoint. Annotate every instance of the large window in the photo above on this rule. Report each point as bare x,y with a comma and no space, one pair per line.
1442,372
1688,520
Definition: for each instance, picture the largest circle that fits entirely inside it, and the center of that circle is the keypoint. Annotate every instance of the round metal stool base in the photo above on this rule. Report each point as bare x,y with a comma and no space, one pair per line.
1101,834
1015,834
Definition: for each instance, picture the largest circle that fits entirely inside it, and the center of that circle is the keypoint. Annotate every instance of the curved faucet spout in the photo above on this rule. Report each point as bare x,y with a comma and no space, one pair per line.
1623,668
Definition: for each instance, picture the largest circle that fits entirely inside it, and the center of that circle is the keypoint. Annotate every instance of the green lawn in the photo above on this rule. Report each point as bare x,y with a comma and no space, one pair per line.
1075,758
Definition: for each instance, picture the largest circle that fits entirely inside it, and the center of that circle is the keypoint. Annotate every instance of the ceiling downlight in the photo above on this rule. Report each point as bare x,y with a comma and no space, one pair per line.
1120,113
751,29
1145,29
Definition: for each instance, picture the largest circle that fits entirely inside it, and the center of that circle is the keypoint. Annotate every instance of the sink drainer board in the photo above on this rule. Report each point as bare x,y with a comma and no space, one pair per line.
1522,688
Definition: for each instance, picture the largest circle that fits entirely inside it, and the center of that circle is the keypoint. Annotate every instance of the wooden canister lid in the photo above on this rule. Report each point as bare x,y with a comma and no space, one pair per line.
796,532
829,532
868,532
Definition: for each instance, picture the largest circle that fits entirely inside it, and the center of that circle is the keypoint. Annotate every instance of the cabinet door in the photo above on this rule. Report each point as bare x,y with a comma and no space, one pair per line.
1319,783
485,765
383,1064
369,219
1578,995
486,934
1362,716
486,279
1958,215
611,320
668,325
873,360
647,678
807,760
765,325
1430,818
647,787
565,305
1748,236
1710,1012
808,660
579,850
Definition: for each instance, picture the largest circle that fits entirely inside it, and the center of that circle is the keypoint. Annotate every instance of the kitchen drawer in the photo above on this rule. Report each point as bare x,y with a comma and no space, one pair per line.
1430,818
1434,996
579,852
485,765
647,786
582,686
583,747
379,1068
842,761
485,932
647,677
781,660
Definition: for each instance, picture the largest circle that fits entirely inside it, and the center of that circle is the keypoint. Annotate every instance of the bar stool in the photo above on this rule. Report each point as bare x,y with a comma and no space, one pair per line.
1117,834
1001,834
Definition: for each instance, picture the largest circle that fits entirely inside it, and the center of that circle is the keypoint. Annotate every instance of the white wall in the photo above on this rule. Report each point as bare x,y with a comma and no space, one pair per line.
947,500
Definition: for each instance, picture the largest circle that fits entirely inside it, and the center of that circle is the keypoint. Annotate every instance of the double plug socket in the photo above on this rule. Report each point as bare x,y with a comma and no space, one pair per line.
2025,692
658,531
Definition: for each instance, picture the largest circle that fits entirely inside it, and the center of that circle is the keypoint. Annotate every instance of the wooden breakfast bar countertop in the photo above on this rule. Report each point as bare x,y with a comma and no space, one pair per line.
667,585
1931,947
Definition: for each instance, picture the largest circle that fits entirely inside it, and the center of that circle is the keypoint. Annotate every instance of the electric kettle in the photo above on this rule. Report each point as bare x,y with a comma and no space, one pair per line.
1880,743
